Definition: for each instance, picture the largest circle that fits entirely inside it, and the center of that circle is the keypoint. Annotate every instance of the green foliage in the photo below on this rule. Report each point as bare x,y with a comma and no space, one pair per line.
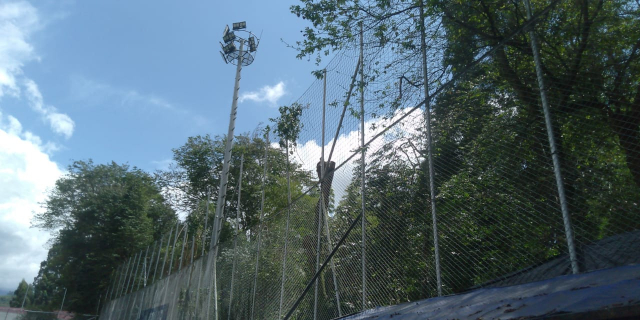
288,125
99,215
198,167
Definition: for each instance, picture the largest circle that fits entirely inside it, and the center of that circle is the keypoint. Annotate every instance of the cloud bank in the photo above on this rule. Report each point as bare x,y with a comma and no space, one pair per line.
18,20
26,173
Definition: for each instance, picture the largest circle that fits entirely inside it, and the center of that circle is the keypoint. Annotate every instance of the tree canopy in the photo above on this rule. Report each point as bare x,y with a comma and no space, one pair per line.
98,215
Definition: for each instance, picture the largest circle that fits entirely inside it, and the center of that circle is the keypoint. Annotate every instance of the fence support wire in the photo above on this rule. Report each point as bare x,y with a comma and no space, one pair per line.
568,230
362,175
427,112
235,236
264,181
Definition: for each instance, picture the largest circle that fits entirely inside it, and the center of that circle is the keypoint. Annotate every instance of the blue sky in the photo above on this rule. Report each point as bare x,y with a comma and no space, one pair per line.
122,81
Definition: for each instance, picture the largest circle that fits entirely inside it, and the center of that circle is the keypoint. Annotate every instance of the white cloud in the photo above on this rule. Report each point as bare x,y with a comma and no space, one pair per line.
308,153
18,20
267,93
26,173
59,122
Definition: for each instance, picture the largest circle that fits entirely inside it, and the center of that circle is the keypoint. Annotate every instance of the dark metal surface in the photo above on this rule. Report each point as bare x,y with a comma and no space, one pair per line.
606,294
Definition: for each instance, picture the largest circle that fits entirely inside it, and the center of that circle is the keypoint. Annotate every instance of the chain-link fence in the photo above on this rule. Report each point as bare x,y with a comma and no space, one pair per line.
526,166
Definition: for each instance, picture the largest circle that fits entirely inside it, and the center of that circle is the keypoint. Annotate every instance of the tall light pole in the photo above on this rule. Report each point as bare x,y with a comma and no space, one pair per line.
234,52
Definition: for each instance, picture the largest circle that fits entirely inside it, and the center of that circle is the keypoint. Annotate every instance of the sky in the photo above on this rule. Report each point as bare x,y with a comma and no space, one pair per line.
123,81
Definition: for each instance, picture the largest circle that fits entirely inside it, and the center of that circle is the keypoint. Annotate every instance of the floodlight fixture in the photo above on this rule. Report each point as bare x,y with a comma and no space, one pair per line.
239,46
228,37
239,25
252,44
228,48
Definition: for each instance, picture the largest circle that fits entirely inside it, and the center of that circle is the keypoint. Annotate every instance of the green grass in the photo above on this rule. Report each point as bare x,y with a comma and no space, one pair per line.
4,300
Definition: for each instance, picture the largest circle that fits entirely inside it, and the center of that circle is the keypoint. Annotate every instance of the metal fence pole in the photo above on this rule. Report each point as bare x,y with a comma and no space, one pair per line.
25,297
132,281
173,248
206,220
153,254
264,181
323,208
132,278
568,230
166,254
432,185
124,278
155,270
114,281
286,231
144,268
184,242
193,247
320,216
235,236
63,298
204,241
362,175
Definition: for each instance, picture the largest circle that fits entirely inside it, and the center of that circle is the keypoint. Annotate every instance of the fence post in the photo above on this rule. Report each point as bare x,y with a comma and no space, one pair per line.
114,282
184,242
568,230
166,254
124,279
264,181
132,277
432,185
235,236
362,175
155,270
206,220
204,241
153,254
144,269
286,232
193,245
173,248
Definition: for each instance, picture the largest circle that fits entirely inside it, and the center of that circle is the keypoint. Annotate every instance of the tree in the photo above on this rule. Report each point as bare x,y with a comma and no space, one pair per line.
19,295
99,215
198,167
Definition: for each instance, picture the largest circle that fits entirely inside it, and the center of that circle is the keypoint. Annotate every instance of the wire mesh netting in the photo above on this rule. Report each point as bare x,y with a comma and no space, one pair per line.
525,166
